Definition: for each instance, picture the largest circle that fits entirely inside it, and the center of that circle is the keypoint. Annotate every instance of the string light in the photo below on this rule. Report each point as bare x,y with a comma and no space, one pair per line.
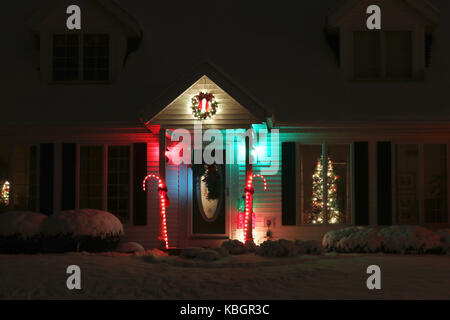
163,204
249,191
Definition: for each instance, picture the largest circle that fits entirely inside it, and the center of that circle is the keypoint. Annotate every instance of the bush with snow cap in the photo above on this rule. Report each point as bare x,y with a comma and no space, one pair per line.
82,230
392,239
20,223
20,232
444,234
83,222
331,238
279,248
235,247
409,239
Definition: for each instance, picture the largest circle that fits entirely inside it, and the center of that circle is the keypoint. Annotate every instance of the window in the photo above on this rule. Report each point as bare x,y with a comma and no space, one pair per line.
407,167
81,57
18,178
91,177
119,182
325,179
382,55
435,186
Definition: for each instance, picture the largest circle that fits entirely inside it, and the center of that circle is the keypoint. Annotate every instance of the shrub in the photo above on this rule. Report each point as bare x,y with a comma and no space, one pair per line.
81,230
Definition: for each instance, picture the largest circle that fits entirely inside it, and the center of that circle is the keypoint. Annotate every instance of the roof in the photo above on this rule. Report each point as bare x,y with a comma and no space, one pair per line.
423,7
278,54
131,26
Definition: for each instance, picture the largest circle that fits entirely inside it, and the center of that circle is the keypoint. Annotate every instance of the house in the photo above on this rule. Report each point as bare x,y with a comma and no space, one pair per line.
360,117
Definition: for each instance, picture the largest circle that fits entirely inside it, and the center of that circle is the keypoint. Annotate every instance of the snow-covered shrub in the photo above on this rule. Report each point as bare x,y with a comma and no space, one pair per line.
130,247
308,247
191,253
208,255
235,247
20,232
445,239
222,252
331,238
279,248
363,240
409,239
25,224
200,253
393,239
82,230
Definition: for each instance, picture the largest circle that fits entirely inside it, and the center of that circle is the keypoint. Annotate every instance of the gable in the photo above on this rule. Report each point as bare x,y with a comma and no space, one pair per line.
230,114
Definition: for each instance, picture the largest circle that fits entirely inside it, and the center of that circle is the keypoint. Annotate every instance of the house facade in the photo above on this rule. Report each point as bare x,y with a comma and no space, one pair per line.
353,118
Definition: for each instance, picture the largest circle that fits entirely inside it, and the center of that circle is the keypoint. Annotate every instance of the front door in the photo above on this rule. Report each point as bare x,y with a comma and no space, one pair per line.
209,200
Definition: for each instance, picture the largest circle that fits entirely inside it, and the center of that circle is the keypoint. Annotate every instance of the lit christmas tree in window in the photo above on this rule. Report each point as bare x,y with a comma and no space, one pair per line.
317,214
4,193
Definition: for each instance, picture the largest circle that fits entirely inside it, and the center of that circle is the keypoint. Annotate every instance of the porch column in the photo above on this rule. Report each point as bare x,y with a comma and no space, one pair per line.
248,238
162,176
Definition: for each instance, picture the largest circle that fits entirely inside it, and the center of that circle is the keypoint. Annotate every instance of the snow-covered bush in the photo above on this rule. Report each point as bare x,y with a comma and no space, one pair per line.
392,239
363,240
279,248
130,247
308,247
200,253
82,230
235,247
20,231
331,238
409,239
24,224
445,239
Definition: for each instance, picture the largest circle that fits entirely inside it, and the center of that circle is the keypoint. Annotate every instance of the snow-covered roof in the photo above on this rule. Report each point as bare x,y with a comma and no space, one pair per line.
278,53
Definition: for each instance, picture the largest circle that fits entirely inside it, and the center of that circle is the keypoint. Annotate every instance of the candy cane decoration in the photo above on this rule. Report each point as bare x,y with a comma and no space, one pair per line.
249,191
163,204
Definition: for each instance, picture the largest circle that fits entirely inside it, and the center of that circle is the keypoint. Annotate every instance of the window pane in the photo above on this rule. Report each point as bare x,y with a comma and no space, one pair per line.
435,188
310,161
398,49
65,57
4,178
23,182
96,57
91,177
338,183
119,182
367,60
407,183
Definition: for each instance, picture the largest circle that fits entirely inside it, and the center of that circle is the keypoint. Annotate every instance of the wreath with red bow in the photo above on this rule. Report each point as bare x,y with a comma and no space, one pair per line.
204,106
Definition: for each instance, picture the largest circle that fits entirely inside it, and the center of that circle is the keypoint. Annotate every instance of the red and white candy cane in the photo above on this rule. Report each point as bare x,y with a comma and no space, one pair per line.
163,204
249,191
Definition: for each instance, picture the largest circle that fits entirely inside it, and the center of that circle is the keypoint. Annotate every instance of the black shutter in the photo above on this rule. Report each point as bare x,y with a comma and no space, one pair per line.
288,184
69,161
361,162
46,178
139,173
384,183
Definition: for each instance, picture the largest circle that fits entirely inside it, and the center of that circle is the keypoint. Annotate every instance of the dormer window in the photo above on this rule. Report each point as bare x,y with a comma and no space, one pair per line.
95,54
382,55
81,57
400,50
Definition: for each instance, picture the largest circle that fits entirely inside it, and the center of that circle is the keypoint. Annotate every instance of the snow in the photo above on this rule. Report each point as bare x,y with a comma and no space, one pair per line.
128,247
83,222
25,224
392,239
126,276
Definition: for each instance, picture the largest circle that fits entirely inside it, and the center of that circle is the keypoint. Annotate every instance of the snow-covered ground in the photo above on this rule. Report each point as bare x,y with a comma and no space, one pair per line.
332,276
